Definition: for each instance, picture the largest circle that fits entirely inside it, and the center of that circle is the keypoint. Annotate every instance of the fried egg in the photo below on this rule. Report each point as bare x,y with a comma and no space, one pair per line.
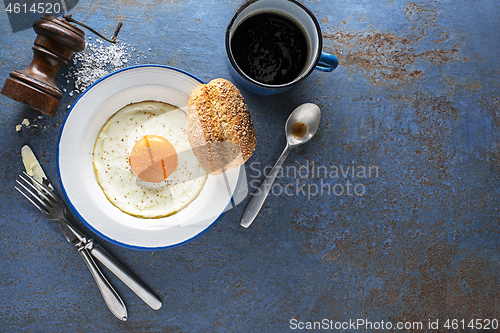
144,163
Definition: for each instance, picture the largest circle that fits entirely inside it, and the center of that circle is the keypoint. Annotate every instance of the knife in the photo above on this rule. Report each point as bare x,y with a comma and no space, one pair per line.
73,235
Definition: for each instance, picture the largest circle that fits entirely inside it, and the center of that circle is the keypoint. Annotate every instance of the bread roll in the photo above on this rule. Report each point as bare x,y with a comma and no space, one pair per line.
219,127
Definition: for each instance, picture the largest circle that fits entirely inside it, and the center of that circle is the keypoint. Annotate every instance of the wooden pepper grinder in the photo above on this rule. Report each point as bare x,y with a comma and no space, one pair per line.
55,44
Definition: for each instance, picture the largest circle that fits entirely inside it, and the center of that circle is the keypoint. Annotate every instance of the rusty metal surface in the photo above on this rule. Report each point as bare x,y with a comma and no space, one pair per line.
415,100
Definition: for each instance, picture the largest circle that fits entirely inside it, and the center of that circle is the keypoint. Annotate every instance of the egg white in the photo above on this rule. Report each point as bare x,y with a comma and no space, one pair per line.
115,176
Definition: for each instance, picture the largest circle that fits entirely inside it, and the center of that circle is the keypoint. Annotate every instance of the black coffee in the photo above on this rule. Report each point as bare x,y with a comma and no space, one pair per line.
270,48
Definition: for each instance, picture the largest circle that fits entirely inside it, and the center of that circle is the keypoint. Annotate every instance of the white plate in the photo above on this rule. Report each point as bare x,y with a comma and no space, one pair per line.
76,143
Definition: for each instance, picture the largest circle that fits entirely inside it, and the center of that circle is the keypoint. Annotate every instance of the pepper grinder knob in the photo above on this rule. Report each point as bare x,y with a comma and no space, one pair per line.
55,44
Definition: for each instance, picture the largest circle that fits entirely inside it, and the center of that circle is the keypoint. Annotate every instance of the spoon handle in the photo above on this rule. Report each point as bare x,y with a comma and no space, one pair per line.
259,197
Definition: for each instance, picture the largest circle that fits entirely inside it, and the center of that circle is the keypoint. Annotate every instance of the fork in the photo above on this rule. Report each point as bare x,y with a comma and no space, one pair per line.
44,198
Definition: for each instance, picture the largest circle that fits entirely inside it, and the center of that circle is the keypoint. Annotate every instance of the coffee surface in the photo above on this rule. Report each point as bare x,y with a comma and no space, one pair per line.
270,48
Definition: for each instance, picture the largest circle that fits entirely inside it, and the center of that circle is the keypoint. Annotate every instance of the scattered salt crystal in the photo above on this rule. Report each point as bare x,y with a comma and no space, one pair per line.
97,60
25,122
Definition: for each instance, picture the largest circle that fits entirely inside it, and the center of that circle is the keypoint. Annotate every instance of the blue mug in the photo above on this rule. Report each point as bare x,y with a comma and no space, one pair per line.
301,15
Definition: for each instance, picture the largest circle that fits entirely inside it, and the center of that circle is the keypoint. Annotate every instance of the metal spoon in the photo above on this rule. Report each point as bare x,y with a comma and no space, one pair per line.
300,127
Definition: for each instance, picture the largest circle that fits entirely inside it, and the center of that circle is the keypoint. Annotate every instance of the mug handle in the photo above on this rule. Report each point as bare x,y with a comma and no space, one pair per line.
327,62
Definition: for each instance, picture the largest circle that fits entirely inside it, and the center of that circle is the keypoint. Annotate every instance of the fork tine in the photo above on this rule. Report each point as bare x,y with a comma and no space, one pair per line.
43,189
43,209
40,190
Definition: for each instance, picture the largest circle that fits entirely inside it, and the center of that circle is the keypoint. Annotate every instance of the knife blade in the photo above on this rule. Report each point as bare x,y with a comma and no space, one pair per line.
76,237
33,167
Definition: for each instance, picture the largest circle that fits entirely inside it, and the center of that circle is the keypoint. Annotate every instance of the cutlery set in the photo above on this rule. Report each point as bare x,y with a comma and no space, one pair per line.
35,187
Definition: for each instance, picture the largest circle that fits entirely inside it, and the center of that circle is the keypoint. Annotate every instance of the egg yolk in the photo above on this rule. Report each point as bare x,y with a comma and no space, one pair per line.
153,158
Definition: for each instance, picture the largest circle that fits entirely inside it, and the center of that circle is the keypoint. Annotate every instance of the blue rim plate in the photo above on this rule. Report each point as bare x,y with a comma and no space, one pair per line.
78,181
